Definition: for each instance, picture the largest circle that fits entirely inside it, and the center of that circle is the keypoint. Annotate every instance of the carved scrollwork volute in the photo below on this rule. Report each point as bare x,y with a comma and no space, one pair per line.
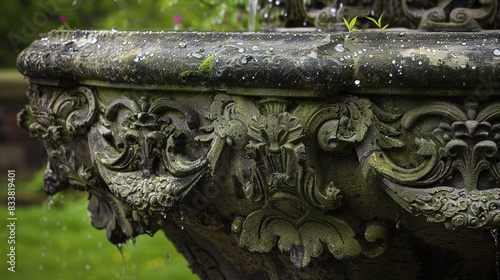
451,15
294,207
59,117
453,179
147,151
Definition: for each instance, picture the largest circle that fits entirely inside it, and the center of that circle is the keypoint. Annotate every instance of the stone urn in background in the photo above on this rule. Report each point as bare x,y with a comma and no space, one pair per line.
319,154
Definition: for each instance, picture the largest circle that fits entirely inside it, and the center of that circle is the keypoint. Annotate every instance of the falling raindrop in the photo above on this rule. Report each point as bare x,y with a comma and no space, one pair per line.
51,201
494,234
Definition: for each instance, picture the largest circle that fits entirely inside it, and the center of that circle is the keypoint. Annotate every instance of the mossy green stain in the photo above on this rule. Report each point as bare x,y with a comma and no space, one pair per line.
205,66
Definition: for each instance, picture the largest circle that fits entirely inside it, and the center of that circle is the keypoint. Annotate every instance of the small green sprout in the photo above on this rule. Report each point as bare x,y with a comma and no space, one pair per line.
378,22
351,24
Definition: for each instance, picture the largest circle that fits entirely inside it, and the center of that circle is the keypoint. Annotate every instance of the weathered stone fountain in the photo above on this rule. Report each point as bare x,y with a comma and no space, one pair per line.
286,155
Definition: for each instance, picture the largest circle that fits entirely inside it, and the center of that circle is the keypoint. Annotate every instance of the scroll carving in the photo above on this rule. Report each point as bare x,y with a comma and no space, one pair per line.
276,176
61,118
451,15
442,15
146,151
455,182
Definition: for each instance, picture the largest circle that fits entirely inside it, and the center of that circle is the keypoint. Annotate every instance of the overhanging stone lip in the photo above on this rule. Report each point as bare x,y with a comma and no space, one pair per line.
385,62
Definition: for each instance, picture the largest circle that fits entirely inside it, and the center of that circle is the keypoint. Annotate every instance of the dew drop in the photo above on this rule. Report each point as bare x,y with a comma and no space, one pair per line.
198,55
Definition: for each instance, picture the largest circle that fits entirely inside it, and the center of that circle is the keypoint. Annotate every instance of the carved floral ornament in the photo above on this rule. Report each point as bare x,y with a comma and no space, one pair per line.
149,152
456,181
435,15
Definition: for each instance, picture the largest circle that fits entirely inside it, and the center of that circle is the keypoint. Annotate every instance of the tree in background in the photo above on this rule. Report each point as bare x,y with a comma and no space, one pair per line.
26,19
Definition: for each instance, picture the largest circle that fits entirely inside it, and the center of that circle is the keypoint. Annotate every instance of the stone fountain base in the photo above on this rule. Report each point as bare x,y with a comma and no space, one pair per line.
274,156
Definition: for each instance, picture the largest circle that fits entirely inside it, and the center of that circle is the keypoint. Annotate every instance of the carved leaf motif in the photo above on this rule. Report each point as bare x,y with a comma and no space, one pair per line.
120,221
465,142
147,153
263,229
295,212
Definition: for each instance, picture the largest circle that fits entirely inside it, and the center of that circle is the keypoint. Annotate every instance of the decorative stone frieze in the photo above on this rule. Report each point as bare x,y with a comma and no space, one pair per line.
271,156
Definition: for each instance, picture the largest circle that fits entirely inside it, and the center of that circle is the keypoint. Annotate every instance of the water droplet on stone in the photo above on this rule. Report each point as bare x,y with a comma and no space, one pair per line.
420,63
182,45
357,82
496,52
340,48
198,55
255,48
114,30
93,41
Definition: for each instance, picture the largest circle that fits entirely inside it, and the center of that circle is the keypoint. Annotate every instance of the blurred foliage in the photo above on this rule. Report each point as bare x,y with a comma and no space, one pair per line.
26,19
56,241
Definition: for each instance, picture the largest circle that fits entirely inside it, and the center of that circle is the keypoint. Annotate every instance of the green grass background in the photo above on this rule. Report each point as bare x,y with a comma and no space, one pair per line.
57,241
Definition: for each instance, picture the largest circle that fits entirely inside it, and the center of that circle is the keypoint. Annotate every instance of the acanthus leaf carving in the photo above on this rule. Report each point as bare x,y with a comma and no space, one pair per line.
454,183
61,118
146,151
297,211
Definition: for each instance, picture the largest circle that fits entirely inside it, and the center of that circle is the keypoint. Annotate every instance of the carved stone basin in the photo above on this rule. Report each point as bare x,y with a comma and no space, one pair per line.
280,155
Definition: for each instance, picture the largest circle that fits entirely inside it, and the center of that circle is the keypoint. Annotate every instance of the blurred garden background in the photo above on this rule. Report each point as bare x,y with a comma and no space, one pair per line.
54,238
